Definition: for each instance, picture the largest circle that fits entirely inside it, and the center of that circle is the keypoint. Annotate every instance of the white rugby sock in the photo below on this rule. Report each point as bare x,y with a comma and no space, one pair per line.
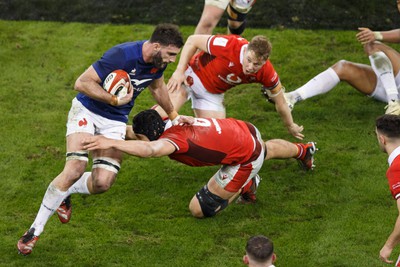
51,201
320,84
383,69
80,186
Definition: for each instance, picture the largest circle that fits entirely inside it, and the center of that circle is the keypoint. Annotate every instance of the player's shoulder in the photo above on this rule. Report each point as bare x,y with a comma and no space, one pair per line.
396,163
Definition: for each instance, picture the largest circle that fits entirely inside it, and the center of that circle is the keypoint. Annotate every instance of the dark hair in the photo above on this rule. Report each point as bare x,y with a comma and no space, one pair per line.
259,248
148,123
389,125
167,34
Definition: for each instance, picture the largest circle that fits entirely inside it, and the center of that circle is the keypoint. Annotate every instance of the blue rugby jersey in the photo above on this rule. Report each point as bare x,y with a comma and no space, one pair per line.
128,57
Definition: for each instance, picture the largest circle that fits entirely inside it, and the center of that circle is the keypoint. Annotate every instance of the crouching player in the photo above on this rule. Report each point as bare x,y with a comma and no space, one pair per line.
234,144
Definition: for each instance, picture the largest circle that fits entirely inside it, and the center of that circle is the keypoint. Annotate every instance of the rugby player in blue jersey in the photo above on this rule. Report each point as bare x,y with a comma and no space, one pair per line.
96,112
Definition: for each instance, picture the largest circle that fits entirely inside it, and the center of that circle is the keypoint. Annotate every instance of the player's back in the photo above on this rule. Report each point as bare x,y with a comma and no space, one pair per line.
212,142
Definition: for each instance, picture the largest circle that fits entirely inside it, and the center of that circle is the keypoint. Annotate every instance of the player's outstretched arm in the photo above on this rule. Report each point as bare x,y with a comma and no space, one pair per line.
193,43
365,36
392,241
142,149
282,108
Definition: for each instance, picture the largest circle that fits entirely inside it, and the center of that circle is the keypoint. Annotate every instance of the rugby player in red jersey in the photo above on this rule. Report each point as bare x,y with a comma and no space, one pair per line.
236,145
224,62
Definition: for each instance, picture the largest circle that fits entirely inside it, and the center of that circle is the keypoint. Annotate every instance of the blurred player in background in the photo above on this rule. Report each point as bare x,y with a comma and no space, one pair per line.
381,80
259,252
214,9
94,111
224,62
234,144
388,134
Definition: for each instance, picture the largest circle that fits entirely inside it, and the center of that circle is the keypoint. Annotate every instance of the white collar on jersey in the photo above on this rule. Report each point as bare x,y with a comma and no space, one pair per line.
168,124
393,155
244,47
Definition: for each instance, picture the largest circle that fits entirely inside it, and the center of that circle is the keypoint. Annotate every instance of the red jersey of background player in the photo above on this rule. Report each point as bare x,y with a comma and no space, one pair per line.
212,142
393,173
221,68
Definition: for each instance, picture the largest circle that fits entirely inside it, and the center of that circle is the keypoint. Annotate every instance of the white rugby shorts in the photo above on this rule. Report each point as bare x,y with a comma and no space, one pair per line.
238,176
380,92
82,120
222,4
201,98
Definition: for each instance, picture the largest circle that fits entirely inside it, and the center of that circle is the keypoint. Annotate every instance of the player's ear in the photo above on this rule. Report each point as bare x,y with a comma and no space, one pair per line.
382,139
156,47
273,258
246,259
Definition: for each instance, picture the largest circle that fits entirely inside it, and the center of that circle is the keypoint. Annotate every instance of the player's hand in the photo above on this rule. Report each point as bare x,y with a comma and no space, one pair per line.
365,36
384,254
182,120
176,80
122,100
96,142
296,130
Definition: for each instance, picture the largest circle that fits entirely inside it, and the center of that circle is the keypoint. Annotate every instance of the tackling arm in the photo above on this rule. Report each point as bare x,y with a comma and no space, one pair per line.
393,239
142,149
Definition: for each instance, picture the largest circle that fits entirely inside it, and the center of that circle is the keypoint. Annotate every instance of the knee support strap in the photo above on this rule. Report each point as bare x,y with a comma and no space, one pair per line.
107,163
210,203
78,155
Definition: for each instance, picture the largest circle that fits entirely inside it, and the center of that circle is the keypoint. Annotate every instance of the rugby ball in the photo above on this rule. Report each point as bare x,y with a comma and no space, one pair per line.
115,83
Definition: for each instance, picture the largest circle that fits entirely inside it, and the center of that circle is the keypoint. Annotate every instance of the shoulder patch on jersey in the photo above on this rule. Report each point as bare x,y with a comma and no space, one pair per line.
220,41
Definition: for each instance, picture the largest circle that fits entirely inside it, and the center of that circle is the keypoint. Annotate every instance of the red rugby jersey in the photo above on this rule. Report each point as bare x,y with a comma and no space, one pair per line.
211,142
393,176
221,68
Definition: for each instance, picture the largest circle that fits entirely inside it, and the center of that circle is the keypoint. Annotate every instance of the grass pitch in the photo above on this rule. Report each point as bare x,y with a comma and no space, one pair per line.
340,214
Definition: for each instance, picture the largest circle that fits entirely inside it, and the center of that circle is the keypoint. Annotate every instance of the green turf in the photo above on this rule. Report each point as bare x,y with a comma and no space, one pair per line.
338,215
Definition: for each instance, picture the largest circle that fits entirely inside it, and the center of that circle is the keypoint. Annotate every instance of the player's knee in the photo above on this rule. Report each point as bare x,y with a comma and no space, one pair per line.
205,27
104,172
236,27
195,209
209,203
341,68
101,184
372,47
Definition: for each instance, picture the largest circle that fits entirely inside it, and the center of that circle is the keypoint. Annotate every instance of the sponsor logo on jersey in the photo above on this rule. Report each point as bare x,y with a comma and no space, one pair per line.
231,64
136,83
220,41
133,72
231,79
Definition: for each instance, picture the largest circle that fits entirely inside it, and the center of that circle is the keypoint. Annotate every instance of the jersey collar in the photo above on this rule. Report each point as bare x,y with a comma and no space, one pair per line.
393,155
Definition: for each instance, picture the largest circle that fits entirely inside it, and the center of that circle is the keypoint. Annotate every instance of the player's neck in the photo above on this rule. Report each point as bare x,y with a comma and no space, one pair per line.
147,51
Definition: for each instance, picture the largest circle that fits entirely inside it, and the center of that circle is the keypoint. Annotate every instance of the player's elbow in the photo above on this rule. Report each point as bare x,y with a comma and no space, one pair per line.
78,85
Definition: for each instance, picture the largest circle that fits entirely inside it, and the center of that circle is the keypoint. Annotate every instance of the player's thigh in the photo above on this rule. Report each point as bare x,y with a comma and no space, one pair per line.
360,76
207,105
199,113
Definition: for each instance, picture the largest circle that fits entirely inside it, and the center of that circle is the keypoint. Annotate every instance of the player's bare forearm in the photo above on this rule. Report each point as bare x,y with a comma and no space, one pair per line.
142,149
89,84
393,239
160,94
